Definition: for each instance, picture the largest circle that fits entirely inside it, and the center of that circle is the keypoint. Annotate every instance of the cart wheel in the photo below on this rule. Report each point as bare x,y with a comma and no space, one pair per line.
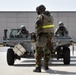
10,57
66,55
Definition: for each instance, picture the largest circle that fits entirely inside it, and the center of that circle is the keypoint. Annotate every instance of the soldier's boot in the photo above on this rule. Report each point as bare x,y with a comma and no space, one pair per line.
46,67
46,64
37,69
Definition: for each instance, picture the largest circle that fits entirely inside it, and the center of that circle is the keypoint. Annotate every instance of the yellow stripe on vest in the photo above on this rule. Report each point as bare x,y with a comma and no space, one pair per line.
48,26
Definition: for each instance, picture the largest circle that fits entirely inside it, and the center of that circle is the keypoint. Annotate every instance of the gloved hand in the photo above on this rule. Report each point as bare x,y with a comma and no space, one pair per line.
33,37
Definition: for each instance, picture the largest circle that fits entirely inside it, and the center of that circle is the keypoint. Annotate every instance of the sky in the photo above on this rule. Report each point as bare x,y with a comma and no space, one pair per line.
30,5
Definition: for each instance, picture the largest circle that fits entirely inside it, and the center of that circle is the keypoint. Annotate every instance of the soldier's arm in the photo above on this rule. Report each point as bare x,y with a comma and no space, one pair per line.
56,31
66,31
39,22
19,34
52,19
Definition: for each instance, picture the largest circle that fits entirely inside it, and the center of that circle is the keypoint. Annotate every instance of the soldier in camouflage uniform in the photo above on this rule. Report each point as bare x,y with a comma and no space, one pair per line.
61,30
44,32
23,33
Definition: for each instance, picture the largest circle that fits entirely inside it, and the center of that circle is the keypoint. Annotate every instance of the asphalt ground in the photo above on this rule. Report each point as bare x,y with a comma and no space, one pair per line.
25,66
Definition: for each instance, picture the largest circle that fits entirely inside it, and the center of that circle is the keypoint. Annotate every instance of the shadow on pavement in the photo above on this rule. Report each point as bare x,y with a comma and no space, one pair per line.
29,63
32,65
73,59
50,71
24,65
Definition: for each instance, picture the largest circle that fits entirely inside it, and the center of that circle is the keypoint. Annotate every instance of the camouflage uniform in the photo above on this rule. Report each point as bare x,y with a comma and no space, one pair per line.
44,31
61,30
23,33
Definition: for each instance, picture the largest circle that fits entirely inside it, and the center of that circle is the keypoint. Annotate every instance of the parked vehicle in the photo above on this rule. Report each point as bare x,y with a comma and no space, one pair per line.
24,48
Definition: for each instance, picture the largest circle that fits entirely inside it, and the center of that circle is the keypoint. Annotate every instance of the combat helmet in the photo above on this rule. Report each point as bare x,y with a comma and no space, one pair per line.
22,26
61,24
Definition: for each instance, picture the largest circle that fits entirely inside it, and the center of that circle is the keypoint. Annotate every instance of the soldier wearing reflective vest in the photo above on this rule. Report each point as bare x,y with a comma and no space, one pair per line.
44,32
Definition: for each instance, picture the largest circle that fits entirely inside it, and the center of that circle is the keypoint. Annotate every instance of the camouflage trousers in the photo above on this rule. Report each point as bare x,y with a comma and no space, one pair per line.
44,52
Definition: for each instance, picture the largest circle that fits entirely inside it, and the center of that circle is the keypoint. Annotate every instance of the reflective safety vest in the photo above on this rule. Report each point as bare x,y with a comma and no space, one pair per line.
48,26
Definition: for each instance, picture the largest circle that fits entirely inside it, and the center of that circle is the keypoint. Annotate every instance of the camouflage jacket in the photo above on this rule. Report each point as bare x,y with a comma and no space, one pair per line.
61,31
44,19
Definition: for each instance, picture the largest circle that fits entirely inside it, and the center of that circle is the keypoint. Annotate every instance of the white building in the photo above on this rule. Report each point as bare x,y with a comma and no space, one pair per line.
14,19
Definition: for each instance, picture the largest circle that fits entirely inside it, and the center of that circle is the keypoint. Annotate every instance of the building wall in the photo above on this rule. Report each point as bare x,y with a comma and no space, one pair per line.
15,19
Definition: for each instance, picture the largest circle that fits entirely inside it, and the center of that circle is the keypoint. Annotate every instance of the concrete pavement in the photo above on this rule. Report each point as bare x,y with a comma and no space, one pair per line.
25,66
